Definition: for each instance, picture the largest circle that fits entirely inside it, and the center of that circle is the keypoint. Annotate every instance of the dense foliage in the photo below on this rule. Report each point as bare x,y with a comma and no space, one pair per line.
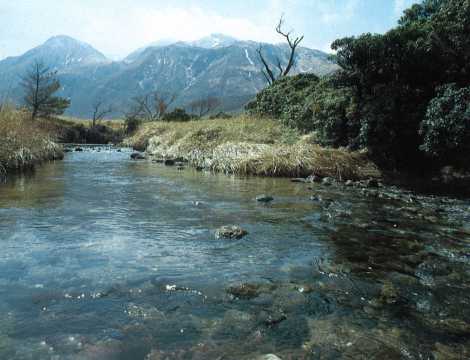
388,95
446,128
285,100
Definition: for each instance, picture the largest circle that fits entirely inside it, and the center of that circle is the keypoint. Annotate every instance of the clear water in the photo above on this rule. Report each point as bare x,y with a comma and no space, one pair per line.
107,258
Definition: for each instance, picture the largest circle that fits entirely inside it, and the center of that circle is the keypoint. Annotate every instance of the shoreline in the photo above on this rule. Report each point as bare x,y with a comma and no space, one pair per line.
247,146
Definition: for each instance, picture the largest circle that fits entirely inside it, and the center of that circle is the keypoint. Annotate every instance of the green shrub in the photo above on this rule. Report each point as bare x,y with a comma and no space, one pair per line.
334,115
286,100
446,127
177,115
132,124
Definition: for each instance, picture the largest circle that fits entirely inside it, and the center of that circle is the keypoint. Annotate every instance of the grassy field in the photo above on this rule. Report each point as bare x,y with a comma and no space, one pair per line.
249,146
24,143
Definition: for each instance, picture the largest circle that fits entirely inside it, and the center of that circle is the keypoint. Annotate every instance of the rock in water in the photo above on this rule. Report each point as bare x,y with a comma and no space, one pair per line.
268,357
230,232
169,162
264,198
137,156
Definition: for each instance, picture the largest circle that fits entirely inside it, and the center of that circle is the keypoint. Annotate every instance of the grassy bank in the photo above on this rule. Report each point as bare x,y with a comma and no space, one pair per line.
249,146
24,143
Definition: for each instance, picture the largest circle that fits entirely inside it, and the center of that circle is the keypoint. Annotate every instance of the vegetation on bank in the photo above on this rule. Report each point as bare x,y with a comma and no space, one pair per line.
403,96
249,146
24,142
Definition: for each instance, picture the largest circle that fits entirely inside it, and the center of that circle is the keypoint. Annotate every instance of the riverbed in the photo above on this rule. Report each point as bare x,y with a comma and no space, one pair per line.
103,257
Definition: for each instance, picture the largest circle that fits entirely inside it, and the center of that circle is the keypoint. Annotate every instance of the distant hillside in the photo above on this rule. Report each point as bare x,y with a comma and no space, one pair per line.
217,65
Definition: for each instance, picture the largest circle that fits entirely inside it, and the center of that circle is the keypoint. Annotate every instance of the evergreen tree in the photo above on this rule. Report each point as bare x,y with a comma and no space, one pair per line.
40,84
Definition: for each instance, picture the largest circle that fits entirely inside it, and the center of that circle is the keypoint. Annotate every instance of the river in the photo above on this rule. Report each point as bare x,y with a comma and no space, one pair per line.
103,257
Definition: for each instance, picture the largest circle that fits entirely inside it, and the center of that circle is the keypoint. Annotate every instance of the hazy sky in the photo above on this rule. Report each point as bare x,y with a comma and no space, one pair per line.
117,27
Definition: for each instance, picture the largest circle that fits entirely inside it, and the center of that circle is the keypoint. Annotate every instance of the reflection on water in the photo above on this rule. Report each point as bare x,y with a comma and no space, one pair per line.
106,258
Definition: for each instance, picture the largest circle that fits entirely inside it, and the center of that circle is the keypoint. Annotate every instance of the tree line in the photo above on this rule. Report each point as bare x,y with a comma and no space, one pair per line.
40,86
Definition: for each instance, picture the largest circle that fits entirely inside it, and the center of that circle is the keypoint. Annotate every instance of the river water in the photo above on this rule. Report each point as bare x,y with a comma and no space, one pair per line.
107,258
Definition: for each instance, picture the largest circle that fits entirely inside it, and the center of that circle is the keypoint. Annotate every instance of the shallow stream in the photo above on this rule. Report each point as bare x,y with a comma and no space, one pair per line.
107,258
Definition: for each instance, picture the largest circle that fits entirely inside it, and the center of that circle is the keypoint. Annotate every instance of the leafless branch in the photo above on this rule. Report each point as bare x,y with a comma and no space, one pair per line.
293,43
100,111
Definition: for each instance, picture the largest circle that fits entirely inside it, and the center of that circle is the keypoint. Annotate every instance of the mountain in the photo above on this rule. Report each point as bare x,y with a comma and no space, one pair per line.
136,53
217,65
214,41
58,52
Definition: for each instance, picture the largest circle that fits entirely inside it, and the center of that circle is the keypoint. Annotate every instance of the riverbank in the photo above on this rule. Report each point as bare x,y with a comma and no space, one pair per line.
24,143
249,146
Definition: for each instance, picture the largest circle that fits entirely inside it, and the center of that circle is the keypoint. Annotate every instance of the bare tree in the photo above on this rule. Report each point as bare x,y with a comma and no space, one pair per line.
204,106
40,84
151,107
100,111
281,71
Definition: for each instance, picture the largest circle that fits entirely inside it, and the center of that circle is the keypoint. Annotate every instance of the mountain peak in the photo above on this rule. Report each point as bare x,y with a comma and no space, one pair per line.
63,51
63,40
215,40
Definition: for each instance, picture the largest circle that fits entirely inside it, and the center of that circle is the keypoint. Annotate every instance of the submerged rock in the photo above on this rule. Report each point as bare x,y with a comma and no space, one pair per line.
264,198
230,232
79,149
244,291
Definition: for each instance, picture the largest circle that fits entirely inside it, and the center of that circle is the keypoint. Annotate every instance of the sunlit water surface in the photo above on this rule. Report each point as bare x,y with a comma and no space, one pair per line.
107,258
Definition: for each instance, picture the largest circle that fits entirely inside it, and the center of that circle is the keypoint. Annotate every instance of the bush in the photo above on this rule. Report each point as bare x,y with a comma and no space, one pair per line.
177,115
446,127
285,100
334,115
132,124
221,115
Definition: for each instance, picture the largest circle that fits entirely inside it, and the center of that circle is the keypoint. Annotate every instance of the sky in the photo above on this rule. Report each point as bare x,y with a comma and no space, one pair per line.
117,27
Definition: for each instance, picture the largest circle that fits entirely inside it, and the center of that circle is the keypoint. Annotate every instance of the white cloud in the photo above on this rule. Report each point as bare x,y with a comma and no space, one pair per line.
124,32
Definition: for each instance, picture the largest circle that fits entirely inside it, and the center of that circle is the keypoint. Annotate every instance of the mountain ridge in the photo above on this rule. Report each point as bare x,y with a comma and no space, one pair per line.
217,65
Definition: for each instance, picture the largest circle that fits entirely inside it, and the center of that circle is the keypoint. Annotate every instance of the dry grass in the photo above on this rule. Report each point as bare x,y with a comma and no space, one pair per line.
250,146
23,143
